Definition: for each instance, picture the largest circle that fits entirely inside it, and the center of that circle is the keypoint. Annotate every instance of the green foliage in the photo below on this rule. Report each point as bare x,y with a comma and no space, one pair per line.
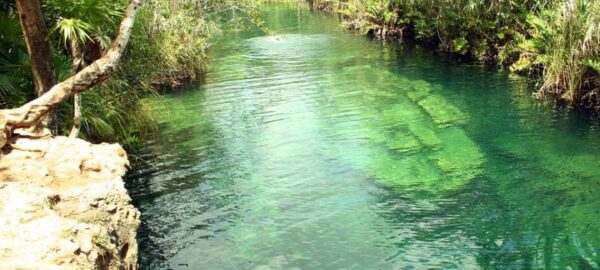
73,29
110,111
460,45
15,75
84,19
558,39
168,46
466,27
570,41
593,64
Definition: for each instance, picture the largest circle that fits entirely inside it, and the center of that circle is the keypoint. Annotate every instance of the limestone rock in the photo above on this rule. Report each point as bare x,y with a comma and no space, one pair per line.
64,206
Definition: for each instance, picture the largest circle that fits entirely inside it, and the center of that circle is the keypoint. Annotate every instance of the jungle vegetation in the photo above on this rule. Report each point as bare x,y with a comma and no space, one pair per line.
557,43
168,46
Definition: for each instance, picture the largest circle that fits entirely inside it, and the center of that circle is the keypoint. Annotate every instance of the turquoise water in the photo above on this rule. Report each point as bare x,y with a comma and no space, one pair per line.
319,149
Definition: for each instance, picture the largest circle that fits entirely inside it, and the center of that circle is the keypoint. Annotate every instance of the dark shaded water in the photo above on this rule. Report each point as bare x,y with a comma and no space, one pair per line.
319,149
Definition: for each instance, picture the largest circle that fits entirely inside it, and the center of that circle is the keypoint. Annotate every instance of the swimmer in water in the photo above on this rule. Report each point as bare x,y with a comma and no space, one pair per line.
274,38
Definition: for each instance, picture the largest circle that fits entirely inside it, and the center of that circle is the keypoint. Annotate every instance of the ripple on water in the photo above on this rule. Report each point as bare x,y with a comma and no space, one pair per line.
329,151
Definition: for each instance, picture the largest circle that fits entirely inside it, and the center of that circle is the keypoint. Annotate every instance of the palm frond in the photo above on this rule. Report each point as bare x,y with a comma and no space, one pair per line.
73,29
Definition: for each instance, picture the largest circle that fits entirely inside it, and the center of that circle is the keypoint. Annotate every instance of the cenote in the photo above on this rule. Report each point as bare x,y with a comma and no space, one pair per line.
320,149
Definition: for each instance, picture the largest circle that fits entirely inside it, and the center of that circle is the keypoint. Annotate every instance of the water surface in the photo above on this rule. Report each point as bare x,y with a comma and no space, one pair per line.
319,149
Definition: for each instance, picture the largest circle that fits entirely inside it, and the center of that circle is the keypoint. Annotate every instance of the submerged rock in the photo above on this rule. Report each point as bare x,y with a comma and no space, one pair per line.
404,142
443,113
420,89
426,136
65,206
460,157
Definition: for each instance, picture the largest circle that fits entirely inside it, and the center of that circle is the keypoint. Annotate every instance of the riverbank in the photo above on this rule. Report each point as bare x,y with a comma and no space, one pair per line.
556,44
64,206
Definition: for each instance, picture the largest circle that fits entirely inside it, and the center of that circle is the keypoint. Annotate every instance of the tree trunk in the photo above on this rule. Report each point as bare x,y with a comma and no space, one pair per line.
78,64
95,73
38,47
76,116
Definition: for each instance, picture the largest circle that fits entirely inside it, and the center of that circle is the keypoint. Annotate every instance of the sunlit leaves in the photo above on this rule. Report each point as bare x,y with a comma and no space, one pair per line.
593,64
73,29
460,45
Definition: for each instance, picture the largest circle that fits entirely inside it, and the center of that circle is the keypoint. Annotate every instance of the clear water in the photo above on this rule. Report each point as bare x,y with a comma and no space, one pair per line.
320,149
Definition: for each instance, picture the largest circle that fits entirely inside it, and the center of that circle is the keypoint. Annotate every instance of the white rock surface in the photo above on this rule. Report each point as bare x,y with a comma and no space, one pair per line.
63,205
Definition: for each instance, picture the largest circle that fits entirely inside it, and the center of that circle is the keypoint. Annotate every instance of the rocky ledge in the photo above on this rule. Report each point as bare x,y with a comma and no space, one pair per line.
63,205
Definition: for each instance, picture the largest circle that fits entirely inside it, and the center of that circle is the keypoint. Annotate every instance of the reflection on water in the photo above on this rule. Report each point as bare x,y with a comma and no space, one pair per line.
322,150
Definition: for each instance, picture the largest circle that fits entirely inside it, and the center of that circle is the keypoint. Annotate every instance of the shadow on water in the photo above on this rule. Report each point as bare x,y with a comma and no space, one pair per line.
319,149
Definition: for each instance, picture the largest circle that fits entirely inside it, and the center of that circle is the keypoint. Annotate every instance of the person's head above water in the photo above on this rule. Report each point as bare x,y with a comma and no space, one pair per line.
274,38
